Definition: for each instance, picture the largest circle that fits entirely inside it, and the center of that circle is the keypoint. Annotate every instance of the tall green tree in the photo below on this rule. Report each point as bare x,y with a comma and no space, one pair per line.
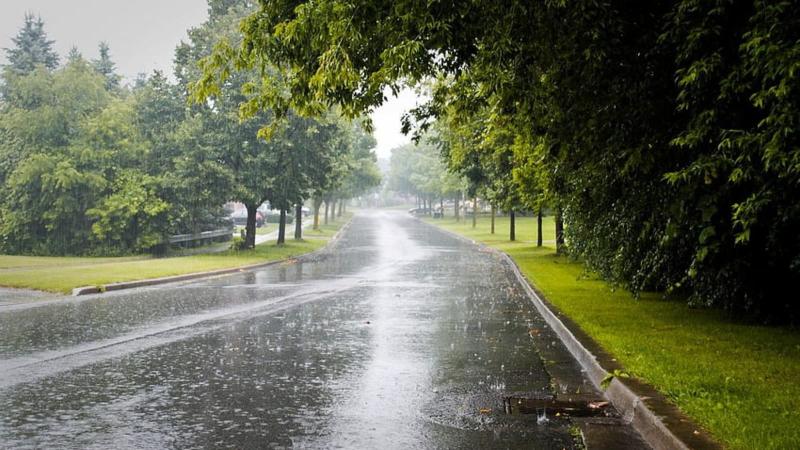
42,112
244,154
363,174
194,179
31,48
106,67
76,177
74,55
418,170
286,164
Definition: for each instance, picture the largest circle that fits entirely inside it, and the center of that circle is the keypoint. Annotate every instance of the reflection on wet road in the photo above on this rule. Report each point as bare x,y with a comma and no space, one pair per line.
401,336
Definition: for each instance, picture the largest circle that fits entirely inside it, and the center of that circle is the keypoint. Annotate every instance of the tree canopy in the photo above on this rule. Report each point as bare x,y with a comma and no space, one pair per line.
106,67
666,132
92,166
31,48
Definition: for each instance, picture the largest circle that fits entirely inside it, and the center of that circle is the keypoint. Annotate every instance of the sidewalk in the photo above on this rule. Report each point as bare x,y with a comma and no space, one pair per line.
260,239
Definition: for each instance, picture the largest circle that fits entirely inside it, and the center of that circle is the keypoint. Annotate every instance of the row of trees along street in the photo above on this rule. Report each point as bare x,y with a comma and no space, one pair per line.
418,170
91,167
663,134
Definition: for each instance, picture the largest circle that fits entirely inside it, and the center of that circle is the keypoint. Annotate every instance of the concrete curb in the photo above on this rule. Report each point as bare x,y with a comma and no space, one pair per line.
661,424
87,290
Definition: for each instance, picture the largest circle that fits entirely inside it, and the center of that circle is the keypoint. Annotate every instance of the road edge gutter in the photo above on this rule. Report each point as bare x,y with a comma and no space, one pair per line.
88,290
660,423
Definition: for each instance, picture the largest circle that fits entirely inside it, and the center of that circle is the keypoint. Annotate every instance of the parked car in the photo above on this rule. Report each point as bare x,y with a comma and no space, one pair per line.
240,218
274,216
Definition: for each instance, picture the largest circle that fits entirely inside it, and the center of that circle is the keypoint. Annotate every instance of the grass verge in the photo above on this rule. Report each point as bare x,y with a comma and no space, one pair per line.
739,381
62,274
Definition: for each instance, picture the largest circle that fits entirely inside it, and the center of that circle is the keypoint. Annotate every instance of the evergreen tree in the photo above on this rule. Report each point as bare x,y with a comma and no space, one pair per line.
219,8
74,55
106,67
31,48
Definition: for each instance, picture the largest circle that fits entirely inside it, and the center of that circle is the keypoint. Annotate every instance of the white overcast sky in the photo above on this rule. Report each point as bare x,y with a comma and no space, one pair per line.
142,35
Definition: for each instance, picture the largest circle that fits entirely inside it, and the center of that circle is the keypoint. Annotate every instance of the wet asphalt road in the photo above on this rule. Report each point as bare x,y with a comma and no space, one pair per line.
400,336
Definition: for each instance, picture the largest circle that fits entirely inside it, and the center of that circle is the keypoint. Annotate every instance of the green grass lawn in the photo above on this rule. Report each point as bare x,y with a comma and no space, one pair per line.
62,274
739,381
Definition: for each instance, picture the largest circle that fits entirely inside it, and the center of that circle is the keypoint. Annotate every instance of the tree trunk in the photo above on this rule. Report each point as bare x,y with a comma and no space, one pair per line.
317,204
341,208
298,221
455,204
560,248
282,228
333,210
474,212
250,228
512,231
327,208
494,212
539,227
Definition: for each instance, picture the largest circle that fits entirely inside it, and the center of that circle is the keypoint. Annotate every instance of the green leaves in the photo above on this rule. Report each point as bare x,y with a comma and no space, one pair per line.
738,86
417,169
617,373
91,168
44,206
133,216
31,48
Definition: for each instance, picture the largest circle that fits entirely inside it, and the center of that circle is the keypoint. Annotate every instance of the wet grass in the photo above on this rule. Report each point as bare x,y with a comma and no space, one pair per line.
739,381
62,274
